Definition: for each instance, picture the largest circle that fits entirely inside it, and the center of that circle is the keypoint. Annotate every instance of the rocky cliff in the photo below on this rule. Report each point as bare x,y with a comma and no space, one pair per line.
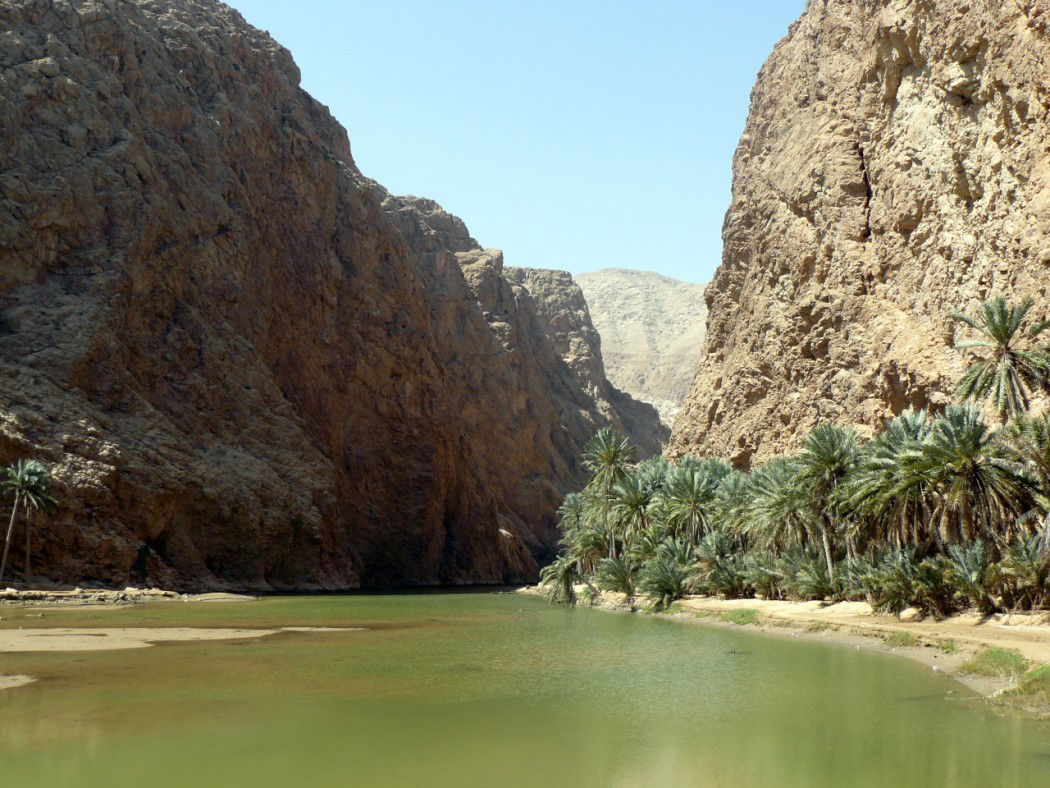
652,330
249,365
563,315
894,168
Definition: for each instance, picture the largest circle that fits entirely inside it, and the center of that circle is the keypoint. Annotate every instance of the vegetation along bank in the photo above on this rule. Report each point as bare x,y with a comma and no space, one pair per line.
935,516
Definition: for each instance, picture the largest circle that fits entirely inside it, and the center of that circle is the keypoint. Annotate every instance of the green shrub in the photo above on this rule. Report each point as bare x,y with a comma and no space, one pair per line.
665,580
1021,577
1032,689
762,577
970,576
932,590
995,662
901,639
617,574
854,579
727,576
742,617
812,580
891,582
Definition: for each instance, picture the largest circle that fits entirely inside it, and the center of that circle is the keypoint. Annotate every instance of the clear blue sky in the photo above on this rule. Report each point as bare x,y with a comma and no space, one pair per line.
572,134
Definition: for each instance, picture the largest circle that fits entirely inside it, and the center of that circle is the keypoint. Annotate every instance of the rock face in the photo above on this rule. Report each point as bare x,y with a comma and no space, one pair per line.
563,315
652,329
249,365
894,168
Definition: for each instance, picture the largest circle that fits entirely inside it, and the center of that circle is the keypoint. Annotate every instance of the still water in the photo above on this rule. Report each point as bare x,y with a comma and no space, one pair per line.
489,690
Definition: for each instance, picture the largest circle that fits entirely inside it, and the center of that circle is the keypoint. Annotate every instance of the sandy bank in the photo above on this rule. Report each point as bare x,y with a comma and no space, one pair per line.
1028,633
110,638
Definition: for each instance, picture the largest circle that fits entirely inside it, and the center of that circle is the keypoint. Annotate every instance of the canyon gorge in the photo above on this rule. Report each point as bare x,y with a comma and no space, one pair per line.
251,366
247,364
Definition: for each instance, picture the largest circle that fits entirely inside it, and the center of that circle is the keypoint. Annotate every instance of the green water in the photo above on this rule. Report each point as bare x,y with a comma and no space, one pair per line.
490,690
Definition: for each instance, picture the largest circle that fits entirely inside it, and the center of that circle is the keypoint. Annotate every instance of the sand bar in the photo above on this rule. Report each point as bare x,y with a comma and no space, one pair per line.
7,682
112,638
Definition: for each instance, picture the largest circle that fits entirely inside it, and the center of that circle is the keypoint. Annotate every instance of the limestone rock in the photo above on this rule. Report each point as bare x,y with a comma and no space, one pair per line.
652,330
894,168
249,365
562,310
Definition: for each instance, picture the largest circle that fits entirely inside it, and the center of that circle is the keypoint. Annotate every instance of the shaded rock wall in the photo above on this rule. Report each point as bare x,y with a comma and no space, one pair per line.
894,168
249,365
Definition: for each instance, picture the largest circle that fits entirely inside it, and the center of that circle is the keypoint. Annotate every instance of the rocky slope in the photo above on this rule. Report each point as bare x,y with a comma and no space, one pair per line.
652,330
562,310
249,365
894,168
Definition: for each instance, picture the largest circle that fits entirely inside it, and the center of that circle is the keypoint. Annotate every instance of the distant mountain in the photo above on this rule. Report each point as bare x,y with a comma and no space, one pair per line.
652,330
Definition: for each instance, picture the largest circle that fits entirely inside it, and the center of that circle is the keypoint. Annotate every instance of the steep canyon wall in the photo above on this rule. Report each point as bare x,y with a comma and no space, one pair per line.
248,365
895,167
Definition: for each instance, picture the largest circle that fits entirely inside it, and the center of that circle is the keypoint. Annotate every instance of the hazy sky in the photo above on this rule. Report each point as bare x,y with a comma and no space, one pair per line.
571,134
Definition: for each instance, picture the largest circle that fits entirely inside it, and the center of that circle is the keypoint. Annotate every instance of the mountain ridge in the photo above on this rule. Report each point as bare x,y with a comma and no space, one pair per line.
653,332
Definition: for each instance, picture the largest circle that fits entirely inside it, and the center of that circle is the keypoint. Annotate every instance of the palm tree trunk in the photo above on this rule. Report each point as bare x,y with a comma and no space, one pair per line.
608,532
7,541
29,531
827,551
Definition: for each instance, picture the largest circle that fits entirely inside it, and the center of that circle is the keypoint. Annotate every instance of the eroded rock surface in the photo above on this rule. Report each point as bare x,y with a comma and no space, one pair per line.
652,329
249,365
563,315
894,168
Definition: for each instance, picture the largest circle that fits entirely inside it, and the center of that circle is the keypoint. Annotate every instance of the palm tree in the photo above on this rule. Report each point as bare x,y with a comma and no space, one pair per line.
1026,440
581,537
559,577
828,455
632,501
1022,574
687,501
618,574
776,514
645,544
665,579
587,545
729,509
977,491
30,481
571,512
654,473
887,502
1010,366
607,456
970,574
